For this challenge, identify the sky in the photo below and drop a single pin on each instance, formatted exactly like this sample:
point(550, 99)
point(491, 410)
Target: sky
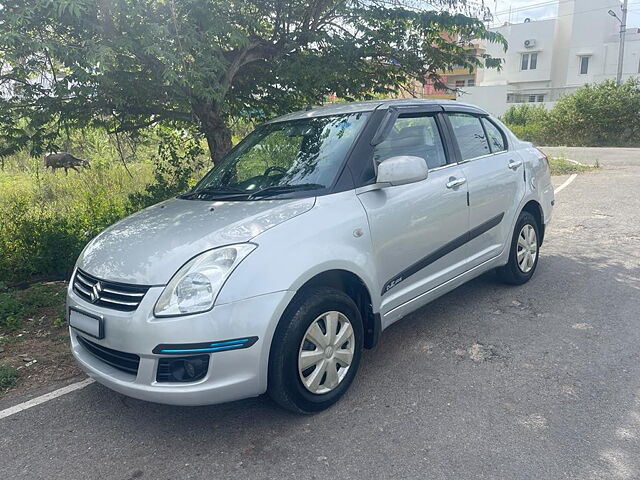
point(542, 9)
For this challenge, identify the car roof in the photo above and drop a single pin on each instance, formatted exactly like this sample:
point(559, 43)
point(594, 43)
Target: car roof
point(370, 105)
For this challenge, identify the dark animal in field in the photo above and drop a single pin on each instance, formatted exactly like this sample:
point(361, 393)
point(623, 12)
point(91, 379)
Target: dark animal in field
point(64, 160)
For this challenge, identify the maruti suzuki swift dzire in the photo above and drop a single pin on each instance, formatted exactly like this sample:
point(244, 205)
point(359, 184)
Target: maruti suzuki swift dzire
point(300, 247)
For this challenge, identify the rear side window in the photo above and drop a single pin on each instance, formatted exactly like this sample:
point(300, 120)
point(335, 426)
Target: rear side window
point(470, 135)
point(413, 135)
point(497, 141)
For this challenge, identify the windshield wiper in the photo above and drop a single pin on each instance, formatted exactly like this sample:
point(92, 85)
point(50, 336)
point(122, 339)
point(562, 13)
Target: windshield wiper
point(224, 192)
point(280, 189)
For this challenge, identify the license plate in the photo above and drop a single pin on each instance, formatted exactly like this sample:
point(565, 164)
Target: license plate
point(86, 323)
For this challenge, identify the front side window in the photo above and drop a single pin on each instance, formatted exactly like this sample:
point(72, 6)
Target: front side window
point(282, 157)
point(496, 138)
point(584, 65)
point(414, 135)
point(525, 61)
point(470, 135)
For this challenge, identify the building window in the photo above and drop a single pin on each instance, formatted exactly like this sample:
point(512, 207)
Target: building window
point(541, 98)
point(529, 61)
point(584, 65)
point(459, 83)
point(471, 83)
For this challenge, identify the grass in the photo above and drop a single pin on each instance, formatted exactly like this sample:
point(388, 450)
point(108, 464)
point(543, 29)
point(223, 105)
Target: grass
point(8, 376)
point(33, 336)
point(17, 305)
point(46, 218)
point(562, 166)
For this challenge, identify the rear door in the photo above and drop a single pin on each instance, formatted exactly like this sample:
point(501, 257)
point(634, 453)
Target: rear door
point(413, 226)
point(496, 183)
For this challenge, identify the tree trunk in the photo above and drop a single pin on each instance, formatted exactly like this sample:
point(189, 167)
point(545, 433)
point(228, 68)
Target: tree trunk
point(215, 130)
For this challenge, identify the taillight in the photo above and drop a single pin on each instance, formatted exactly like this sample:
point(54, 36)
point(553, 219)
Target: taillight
point(544, 155)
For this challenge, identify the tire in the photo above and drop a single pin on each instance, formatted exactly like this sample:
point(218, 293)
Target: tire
point(319, 306)
point(514, 272)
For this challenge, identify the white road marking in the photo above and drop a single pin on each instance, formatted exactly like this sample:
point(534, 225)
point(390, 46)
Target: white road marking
point(45, 398)
point(566, 183)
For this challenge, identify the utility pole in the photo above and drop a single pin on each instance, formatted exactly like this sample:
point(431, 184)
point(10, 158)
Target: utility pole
point(623, 30)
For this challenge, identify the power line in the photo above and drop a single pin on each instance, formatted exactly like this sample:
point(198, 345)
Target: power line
point(532, 6)
point(580, 12)
point(546, 3)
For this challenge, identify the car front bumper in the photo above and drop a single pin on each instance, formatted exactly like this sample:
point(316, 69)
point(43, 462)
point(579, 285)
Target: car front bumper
point(232, 374)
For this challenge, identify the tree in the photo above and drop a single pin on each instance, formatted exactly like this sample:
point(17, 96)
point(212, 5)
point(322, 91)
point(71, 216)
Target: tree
point(128, 64)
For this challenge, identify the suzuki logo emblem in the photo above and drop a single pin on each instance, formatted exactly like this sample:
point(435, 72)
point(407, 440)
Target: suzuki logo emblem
point(95, 292)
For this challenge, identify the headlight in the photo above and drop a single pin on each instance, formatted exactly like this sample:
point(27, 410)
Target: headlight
point(194, 288)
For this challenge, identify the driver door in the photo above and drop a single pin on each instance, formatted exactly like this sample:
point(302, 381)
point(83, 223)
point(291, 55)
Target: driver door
point(416, 228)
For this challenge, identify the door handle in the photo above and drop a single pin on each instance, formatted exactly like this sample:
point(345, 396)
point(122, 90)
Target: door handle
point(456, 182)
point(513, 165)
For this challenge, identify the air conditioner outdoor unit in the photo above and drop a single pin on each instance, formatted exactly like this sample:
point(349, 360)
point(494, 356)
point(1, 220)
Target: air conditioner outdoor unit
point(529, 43)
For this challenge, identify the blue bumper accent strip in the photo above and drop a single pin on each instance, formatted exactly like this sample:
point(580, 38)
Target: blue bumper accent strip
point(205, 347)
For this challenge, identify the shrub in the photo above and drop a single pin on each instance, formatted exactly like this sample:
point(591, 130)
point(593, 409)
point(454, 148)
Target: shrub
point(525, 114)
point(46, 218)
point(602, 115)
point(528, 122)
point(599, 115)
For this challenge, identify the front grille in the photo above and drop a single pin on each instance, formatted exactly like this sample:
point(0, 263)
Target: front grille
point(126, 362)
point(117, 296)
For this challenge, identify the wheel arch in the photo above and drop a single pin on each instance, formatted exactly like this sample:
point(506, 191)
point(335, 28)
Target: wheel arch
point(535, 209)
point(351, 284)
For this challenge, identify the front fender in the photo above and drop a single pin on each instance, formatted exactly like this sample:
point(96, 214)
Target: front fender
point(333, 235)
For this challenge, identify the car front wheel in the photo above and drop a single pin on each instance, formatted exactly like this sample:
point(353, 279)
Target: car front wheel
point(315, 351)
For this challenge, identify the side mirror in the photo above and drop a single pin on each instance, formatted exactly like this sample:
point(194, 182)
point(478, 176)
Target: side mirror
point(402, 170)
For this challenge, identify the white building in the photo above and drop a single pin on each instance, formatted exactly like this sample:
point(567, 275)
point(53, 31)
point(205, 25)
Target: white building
point(549, 58)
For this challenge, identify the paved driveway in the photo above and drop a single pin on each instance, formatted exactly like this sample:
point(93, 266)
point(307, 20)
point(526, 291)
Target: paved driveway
point(540, 381)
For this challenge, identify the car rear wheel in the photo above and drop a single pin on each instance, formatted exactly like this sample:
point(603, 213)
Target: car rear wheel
point(315, 351)
point(523, 256)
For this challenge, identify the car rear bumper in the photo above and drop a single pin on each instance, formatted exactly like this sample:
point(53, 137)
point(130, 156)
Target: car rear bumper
point(231, 375)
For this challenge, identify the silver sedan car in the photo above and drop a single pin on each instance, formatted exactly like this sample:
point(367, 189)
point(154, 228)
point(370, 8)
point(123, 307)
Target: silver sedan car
point(300, 247)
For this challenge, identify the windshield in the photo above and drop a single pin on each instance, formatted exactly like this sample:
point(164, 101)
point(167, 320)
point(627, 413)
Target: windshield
point(283, 157)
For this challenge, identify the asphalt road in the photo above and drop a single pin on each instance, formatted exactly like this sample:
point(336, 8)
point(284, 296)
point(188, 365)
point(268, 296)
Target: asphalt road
point(540, 381)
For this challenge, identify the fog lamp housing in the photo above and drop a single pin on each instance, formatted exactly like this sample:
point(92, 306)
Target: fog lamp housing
point(182, 369)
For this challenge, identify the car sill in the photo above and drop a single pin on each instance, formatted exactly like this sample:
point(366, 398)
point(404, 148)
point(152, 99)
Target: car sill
point(442, 285)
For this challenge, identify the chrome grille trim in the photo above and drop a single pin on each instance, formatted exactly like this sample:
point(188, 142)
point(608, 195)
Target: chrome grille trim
point(118, 302)
point(128, 294)
point(82, 289)
point(117, 296)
